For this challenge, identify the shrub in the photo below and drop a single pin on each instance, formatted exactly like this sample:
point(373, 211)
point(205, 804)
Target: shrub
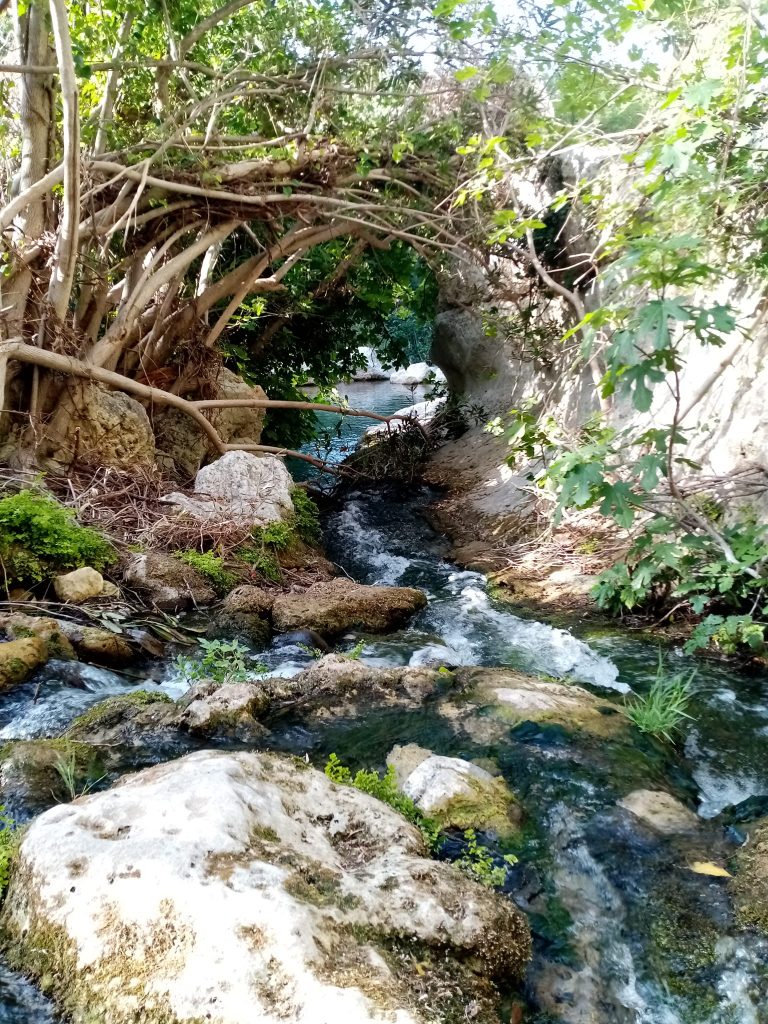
point(729, 634)
point(262, 560)
point(662, 711)
point(40, 538)
point(665, 564)
point(478, 862)
point(222, 661)
point(210, 566)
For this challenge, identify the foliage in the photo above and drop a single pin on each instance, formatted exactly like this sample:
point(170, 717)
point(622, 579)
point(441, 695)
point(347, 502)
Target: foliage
point(67, 768)
point(730, 634)
point(662, 711)
point(211, 566)
point(354, 653)
point(40, 538)
point(384, 787)
point(222, 661)
point(478, 862)
point(7, 847)
point(263, 560)
point(306, 516)
point(664, 564)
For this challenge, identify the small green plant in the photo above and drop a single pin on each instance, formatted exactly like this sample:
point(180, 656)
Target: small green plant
point(313, 652)
point(262, 560)
point(7, 847)
point(211, 566)
point(384, 788)
point(662, 711)
point(478, 862)
point(277, 535)
point(66, 769)
point(354, 653)
point(306, 516)
point(222, 661)
point(40, 538)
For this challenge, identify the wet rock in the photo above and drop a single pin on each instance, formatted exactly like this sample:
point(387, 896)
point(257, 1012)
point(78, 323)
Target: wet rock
point(513, 698)
point(79, 586)
point(750, 886)
point(228, 711)
point(169, 583)
point(246, 611)
point(332, 608)
point(32, 773)
point(131, 719)
point(239, 487)
point(102, 646)
point(283, 896)
point(18, 626)
point(19, 659)
point(335, 686)
point(660, 811)
point(454, 792)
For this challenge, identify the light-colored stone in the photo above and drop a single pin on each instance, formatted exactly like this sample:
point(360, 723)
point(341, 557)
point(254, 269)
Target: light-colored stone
point(454, 792)
point(170, 584)
point(338, 605)
point(373, 368)
point(54, 633)
point(102, 646)
point(19, 659)
point(661, 811)
point(228, 711)
point(239, 487)
point(416, 373)
point(246, 887)
point(79, 585)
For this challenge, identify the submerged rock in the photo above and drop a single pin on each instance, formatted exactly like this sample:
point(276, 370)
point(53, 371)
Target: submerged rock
point(169, 583)
point(454, 792)
point(249, 887)
point(338, 605)
point(19, 659)
point(750, 886)
point(660, 811)
point(513, 698)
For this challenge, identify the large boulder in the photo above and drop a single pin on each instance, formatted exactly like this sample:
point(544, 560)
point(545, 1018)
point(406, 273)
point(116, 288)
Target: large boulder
point(453, 792)
point(249, 887)
point(240, 488)
point(19, 659)
point(108, 428)
point(180, 439)
point(332, 608)
point(169, 583)
point(416, 373)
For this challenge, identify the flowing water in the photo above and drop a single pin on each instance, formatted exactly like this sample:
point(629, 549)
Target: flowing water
point(625, 932)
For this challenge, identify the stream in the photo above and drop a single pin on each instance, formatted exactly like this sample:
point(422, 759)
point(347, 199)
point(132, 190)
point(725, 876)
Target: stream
point(625, 932)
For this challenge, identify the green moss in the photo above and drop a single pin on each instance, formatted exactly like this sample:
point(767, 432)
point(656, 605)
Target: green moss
point(263, 560)
point(212, 568)
point(40, 538)
point(315, 884)
point(750, 886)
point(489, 806)
point(306, 516)
point(105, 710)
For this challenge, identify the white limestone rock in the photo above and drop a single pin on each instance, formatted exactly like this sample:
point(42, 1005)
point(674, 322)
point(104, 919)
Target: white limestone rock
point(239, 487)
point(661, 811)
point(416, 373)
point(234, 887)
point(79, 585)
point(373, 369)
point(454, 792)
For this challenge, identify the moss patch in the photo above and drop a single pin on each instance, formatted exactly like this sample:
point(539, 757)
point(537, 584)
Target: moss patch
point(114, 708)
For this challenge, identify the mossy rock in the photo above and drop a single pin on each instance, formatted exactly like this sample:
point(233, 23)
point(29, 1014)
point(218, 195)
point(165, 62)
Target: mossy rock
point(750, 884)
point(32, 773)
point(18, 626)
point(19, 659)
point(115, 710)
